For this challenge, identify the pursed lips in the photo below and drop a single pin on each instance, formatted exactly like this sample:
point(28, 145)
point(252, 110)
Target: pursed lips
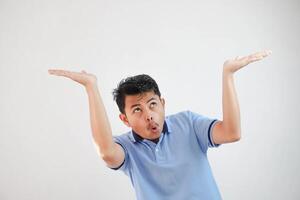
point(153, 126)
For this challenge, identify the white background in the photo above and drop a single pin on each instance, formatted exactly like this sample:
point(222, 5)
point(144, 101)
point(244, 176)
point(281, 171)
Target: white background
point(46, 148)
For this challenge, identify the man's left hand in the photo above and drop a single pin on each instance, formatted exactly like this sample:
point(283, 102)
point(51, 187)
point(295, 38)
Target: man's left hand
point(232, 65)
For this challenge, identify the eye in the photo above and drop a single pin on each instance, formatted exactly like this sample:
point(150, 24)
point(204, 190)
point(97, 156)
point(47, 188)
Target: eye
point(153, 104)
point(136, 110)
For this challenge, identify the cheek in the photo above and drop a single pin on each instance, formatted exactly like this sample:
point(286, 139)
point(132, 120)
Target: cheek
point(161, 112)
point(161, 115)
point(135, 121)
point(138, 126)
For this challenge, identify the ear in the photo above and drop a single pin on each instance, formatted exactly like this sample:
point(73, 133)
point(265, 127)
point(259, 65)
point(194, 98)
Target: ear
point(124, 119)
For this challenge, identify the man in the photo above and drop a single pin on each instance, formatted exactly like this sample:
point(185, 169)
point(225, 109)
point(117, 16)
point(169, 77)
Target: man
point(164, 156)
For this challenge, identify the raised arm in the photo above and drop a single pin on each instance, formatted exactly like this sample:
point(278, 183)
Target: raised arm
point(229, 130)
point(111, 152)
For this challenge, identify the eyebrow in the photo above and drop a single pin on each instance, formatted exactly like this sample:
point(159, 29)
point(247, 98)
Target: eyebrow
point(153, 98)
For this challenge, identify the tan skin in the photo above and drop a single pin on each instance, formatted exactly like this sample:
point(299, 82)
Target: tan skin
point(229, 129)
point(147, 115)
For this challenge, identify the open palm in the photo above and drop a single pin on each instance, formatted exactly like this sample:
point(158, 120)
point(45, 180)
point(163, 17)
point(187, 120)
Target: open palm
point(82, 77)
point(232, 65)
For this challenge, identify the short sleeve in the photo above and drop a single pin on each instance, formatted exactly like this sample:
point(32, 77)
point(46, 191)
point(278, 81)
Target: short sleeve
point(124, 166)
point(203, 127)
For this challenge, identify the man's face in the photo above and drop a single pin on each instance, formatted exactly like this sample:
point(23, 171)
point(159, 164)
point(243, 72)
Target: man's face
point(145, 114)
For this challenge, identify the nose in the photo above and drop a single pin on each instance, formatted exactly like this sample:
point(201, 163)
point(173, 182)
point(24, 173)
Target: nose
point(149, 116)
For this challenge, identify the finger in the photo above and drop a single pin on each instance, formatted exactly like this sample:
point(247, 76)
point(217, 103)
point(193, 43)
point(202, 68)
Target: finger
point(267, 52)
point(244, 60)
point(259, 55)
point(255, 58)
point(59, 72)
point(262, 54)
point(56, 72)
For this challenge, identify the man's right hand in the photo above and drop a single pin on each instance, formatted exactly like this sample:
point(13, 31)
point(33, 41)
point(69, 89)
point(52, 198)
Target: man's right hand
point(82, 77)
point(112, 153)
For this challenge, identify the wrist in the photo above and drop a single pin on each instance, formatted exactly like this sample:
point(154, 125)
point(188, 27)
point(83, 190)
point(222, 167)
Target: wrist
point(91, 86)
point(227, 72)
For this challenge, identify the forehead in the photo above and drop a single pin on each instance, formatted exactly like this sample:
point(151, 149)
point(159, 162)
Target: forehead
point(139, 98)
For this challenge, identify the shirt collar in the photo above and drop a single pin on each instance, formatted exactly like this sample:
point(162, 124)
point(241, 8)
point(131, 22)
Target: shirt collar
point(138, 138)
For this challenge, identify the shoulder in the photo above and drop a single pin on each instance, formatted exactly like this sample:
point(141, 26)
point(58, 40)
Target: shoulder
point(183, 115)
point(123, 138)
point(185, 119)
point(180, 120)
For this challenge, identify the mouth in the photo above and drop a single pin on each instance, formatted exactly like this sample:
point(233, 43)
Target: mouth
point(153, 127)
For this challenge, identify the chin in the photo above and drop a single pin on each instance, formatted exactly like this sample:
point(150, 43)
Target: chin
point(156, 135)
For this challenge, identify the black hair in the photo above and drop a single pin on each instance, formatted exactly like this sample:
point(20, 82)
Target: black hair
point(134, 85)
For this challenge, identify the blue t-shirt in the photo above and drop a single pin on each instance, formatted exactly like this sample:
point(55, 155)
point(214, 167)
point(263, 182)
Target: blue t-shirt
point(177, 166)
